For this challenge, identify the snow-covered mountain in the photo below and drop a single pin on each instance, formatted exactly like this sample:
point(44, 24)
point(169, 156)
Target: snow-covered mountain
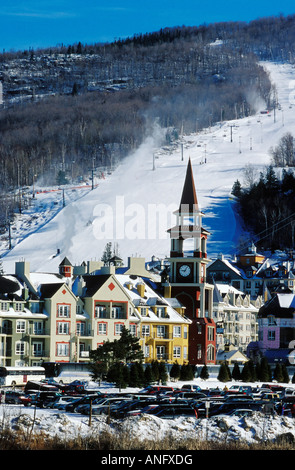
point(134, 206)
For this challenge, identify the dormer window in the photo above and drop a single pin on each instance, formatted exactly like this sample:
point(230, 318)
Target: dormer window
point(271, 320)
point(161, 312)
point(144, 311)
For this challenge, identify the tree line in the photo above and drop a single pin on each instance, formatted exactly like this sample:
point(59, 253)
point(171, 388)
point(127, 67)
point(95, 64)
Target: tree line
point(266, 207)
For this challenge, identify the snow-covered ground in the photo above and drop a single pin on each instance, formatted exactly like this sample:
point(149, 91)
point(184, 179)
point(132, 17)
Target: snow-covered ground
point(123, 207)
point(250, 430)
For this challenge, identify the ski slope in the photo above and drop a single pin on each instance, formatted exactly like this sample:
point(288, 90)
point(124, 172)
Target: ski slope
point(134, 206)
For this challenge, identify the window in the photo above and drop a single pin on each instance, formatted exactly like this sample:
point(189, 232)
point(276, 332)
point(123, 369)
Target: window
point(38, 327)
point(161, 352)
point(161, 331)
point(145, 330)
point(102, 328)
point(80, 329)
point(118, 328)
point(100, 311)
point(132, 329)
point(185, 352)
point(62, 349)
point(20, 348)
point(18, 307)
point(117, 312)
point(20, 326)
point(146, 351)
point(161, 312)
point(37, 349)
point(4, 306)
point(210, 353)
point(185, 332)
point(271, 335)
point(176, 331)
point(63, 328)
point(210, 334)
point(63, 310)
point(271, 320)
point(144, 311)
point(176, 351)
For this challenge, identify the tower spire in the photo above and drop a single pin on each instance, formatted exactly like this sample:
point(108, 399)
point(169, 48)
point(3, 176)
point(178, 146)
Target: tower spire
point(189, 201)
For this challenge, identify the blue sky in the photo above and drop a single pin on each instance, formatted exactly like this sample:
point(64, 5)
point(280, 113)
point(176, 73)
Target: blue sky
point(41, 23)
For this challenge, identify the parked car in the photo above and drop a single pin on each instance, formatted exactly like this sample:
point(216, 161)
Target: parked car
point(270, 396)
point(190, 388)
point(241, 412)
point(71, 407)
point(62, 401)
point(190, 395)
point(157, 389)
point(225, 408)
point(12, 397)
point(122, 410)
point(172, 411)
point(26, 400)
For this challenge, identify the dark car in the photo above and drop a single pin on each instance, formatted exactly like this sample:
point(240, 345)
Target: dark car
point(226, 408)
point(45, 399)
point(122, 410)
point(172, 410)
point(71, 407)
point(12, 397)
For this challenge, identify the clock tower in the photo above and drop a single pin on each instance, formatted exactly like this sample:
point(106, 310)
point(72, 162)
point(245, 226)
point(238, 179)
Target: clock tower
point(187, 276)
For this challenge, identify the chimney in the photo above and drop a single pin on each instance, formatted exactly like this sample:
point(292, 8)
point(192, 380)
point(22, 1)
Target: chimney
point(140, 288)
point(167, 291)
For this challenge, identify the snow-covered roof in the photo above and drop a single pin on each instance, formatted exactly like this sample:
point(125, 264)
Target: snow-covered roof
point(150, 299)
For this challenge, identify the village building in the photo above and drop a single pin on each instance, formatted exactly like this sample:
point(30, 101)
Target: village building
point(235, 317)
point(56, 318)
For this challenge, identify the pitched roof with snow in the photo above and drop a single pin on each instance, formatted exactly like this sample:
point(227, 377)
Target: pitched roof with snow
point(150, 299)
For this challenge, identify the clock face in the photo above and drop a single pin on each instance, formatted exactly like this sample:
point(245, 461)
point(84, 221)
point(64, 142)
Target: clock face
point(184, 270)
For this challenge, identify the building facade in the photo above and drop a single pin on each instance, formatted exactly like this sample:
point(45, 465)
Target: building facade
point(61, 318)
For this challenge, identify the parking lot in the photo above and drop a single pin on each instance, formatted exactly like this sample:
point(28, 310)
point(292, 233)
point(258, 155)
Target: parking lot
point(163, 402)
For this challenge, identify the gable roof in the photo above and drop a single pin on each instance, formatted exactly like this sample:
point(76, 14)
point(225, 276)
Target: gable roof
point(48, 290)
point(94, 282)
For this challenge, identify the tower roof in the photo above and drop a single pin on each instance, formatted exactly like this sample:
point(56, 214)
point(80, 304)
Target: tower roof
point(189, 201)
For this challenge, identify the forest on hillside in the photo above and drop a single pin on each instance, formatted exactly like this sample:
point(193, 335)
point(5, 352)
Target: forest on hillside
point(75, 108)
point(266, 206)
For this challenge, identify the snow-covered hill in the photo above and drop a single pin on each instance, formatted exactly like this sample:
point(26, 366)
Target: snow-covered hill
point(134, 206)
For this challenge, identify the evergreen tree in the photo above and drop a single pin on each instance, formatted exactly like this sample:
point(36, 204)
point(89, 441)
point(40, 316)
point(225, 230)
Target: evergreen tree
point(236, 189)
point(186, 372)
point(107, 254)
point(252, 371)
point(155, 371)
point(246, 373)
point(117, 375)
point(204, 375)
point(278, 373)
point(286, 378)
point(163, 376)
point(175, 371)
point(134, 380)
point(148, 375)
point(236, 373)
point(223, 375)
point(265, 372)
